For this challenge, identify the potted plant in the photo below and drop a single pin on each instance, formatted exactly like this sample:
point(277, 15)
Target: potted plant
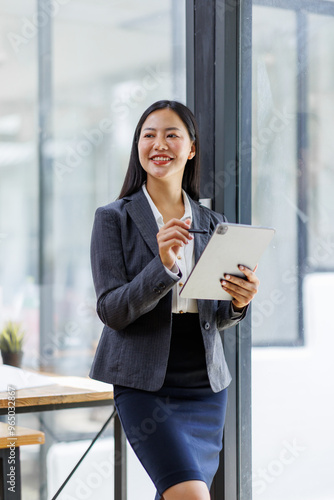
point(11, 341)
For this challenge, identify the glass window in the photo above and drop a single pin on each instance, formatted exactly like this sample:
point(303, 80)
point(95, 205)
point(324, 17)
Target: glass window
point(320, 175)
point(113, 69)
point(275, 171)
point(75, 78)
point(293, 182)
point(19, 170)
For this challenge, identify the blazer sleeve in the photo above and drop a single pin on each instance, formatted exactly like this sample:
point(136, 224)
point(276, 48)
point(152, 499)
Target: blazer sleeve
point(120, 301)
point(226, 318)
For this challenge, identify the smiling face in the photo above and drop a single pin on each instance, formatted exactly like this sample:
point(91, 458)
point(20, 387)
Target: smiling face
point(164, 145)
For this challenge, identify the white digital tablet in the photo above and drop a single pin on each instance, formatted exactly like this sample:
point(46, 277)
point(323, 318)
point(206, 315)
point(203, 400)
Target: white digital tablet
point(229, 246)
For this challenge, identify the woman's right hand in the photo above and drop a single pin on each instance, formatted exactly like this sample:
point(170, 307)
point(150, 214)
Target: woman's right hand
point(171, 237)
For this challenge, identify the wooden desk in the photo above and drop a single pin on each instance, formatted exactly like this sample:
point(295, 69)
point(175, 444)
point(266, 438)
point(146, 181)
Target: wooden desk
point(73, 392)
point(66, 392)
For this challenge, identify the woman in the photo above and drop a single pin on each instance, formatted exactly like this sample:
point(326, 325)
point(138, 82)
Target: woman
point(163, 353)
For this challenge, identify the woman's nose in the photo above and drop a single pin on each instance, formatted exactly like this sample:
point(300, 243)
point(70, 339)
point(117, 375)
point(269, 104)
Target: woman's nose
point(160, 143)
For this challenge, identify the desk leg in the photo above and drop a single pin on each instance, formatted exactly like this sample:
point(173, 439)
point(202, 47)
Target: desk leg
point(6, 457)
point(113, 415)
point(120, 461)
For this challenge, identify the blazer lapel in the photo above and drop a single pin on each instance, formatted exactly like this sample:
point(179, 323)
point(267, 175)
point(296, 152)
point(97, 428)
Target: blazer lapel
point(201, 220)
point(141, 213)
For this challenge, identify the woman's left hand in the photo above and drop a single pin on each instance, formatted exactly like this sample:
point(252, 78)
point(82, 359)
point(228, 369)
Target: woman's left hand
point(242, 290)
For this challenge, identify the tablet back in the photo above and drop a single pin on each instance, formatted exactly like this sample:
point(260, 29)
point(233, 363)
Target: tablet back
point(229, 246)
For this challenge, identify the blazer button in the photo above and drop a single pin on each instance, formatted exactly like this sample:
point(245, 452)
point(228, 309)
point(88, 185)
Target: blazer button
point(161, 285)
point(207, 326)
point(156, 290)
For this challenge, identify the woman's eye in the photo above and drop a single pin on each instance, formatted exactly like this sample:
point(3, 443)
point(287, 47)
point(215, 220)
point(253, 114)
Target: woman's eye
point(148, 135)
point(172, 135)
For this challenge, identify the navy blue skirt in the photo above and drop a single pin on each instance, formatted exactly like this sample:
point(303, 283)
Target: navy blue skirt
point(177, 432)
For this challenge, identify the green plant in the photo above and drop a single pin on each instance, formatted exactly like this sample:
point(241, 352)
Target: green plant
point(11, 337)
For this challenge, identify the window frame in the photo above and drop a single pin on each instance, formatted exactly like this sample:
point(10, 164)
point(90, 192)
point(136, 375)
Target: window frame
point(219, 69)
point(214, 90)
point(302, 9)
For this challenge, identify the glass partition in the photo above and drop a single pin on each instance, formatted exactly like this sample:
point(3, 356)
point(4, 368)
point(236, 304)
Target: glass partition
point(19, 298)
point(293, 186)
point(75, 77)
point(274, 170)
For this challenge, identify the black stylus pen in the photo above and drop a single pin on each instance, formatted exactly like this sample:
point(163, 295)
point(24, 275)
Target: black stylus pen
point(197, 231)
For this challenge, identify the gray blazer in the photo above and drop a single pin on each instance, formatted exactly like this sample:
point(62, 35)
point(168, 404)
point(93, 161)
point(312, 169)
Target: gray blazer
point(134, 298)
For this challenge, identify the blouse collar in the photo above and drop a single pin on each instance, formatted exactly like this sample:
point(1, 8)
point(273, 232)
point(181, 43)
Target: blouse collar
point(157, 214)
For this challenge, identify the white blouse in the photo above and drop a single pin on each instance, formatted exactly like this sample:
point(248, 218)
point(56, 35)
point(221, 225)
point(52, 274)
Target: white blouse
point(185, 260)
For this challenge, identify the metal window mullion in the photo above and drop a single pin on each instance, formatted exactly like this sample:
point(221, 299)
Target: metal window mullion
point(190, 54)
point(244, 181)
point(302, 160)
point(45, 208)
point(45, 212)
point(226, 201)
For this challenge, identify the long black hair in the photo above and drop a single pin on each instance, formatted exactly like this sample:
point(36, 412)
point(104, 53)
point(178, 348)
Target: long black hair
point(136, 175)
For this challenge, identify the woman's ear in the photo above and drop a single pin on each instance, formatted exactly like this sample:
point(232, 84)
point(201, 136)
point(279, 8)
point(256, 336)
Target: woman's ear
point(192, 152)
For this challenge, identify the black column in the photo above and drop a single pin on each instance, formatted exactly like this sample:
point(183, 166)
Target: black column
point(219, 76)
point(201, 83)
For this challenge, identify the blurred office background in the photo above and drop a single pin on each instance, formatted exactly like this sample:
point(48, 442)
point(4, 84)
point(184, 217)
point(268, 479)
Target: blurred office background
point(75, 76)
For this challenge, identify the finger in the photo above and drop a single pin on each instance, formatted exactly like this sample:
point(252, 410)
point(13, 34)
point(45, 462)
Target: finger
point(177, 222)
point(250, 275)
point(251, 283)
point(178, 228)
point(238, 300)
point(242, 294)
point(175, 232)
point(182, 226)
point(174, 242)
point(175, 235)
point(169, 238)
point(237, 291)
point(168, 252)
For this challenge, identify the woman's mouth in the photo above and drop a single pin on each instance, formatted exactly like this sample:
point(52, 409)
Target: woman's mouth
point(161, 160)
